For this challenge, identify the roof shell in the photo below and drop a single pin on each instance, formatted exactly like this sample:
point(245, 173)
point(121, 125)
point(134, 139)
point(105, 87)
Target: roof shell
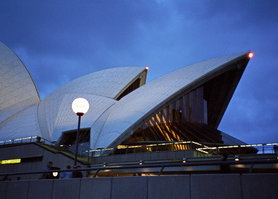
point(17, 89)
point(134, 107)
point(21, 125)
point(50, 117)
point(57, 116)
point(107, 83)
point(99, 88)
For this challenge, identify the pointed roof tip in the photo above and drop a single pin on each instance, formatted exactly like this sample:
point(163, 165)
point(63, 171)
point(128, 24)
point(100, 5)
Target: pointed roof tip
point(247, 54)
point(250, 55)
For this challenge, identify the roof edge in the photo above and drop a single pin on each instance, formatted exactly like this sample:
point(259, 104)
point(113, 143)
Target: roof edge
point(188, 87)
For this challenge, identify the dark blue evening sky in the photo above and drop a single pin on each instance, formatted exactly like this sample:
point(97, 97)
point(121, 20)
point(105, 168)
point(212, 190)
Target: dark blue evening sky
point(59, 40)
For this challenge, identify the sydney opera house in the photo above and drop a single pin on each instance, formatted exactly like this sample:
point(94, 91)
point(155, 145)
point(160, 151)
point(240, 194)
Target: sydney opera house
point(159, 139)
point(185, 105)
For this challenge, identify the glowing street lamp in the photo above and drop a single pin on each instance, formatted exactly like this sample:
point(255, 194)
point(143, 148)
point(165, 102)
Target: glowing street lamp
point(80, 106)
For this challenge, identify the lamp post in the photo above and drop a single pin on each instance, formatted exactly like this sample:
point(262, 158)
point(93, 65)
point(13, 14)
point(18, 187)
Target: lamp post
point(80, 106)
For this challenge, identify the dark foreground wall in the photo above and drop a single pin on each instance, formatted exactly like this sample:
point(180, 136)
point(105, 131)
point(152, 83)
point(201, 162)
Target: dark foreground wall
point(214, 186)
point(30, 151)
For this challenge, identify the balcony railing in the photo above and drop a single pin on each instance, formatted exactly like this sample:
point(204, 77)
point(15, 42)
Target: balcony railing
point(208, 148)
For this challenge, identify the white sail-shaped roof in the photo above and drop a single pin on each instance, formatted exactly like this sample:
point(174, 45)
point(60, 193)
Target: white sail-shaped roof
point(99, 88)
point(19, 97)
point(22, 114)
point(17, 89)
point(21, 125)
point(57, 116)
point(134, 107)
point(107, 83)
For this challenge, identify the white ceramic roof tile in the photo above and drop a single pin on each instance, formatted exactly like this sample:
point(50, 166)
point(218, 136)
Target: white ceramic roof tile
point(15, 80)
point(100, 88)
point(7, 112)
point(106, 83)
point(135, 105)
point(67, 120)
point(21, 125)
point(95, 132)
point(17, 89)
point(47, 113)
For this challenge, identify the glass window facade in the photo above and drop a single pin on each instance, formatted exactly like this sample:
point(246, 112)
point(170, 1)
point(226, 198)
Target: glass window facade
point(182, 119)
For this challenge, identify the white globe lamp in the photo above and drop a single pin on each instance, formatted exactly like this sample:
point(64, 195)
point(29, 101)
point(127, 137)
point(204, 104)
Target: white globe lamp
point(80, 106)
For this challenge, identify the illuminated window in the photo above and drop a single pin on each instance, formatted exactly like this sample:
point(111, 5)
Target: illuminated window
point(10, 161)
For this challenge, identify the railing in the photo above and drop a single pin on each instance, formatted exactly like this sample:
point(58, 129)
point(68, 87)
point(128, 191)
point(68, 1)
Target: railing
point(266, 148)
point(29, 139)
point(210, 148)
point(154, 147)
point(265, 154)
point(161, 167)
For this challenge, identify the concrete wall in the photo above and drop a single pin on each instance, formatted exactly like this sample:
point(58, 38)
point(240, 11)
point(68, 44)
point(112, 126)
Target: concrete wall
point(20, 151)
point(59, 160)
point(27, 151)
point(195, 186)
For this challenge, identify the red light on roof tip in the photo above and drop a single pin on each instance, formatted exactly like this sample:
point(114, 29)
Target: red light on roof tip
point(250, 55)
